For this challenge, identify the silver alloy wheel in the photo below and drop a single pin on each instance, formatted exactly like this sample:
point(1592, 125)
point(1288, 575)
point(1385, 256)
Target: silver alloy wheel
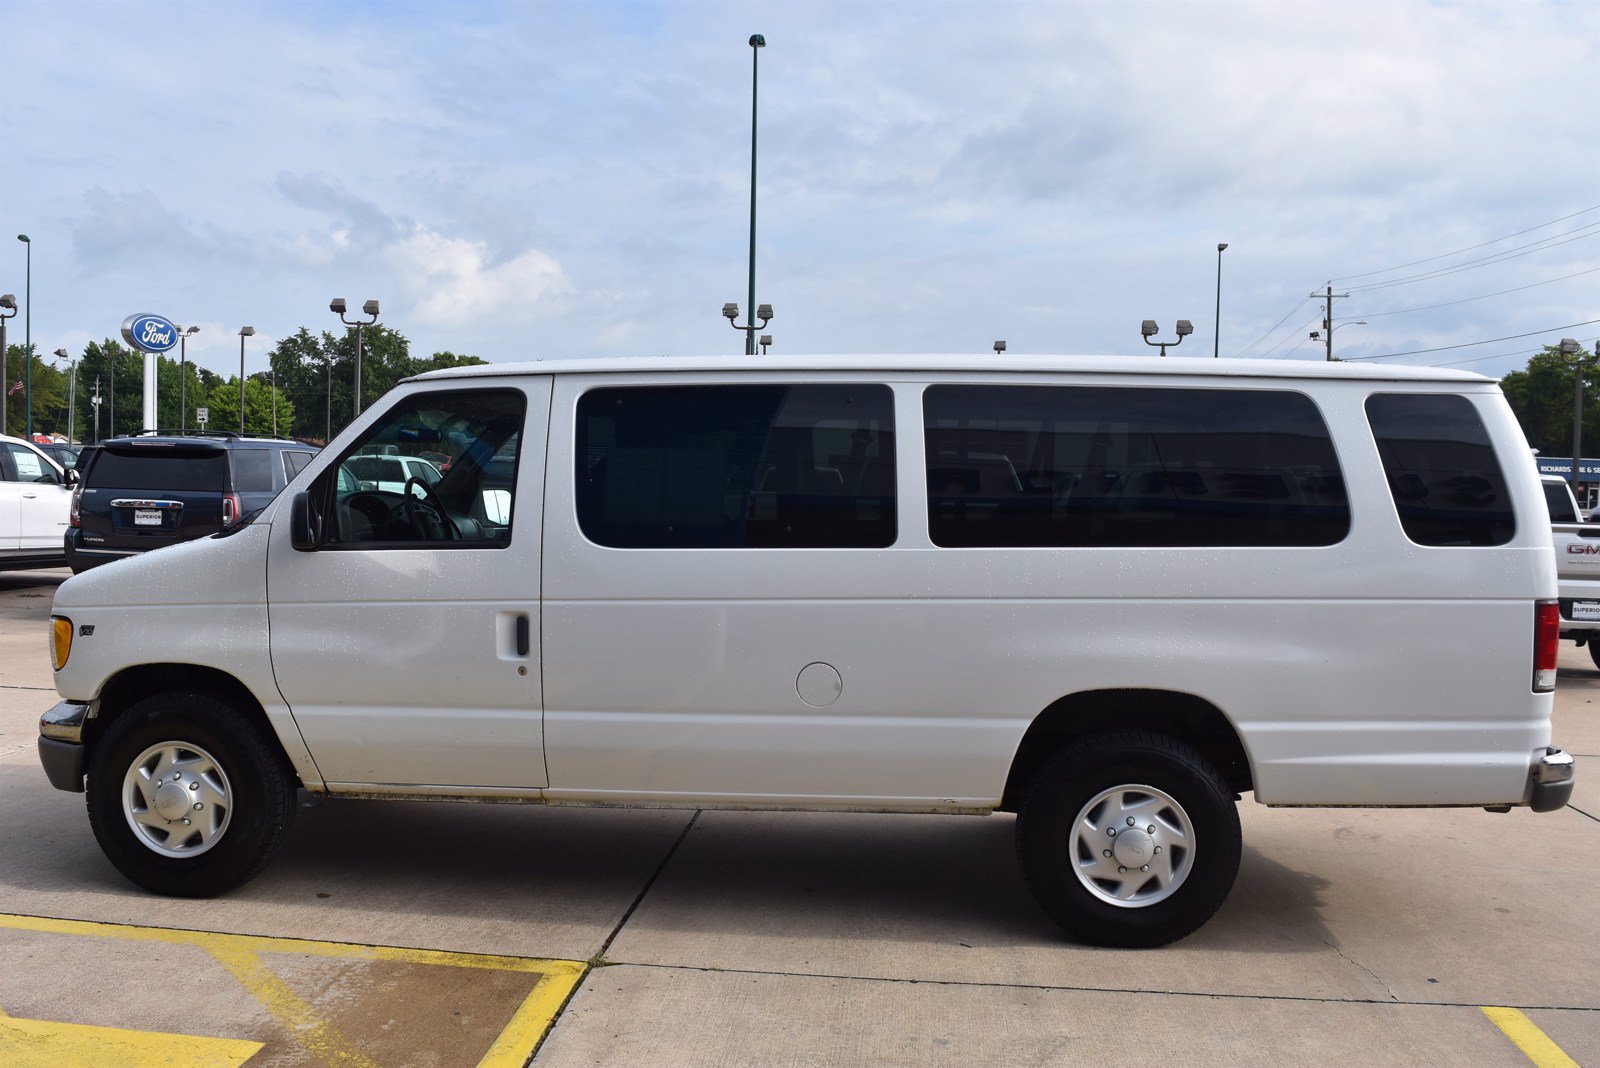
point(177, 799)
point(1132, 846)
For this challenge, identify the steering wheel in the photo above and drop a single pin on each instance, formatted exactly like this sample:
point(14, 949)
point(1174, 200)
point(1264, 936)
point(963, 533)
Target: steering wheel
point(439, 519)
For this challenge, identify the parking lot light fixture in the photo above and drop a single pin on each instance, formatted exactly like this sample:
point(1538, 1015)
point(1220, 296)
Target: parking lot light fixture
point(999, 347)
point(1572, 352)
point(72, 392)
point(1216, 337)
point(27, 334)
point(1148, 330)
point(183, 358)
point(244, 332)
point(8, 308)
point(766, 342)
point(338, 306)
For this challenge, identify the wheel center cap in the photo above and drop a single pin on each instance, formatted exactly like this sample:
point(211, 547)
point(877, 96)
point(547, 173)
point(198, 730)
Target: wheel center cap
point(1134, 847)
point(172, 801)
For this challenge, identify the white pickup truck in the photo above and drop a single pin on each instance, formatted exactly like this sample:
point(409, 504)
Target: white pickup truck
point(1577, 566)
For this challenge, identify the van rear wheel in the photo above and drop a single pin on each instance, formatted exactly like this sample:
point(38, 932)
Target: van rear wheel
point(1129, 839)
point(187, 795)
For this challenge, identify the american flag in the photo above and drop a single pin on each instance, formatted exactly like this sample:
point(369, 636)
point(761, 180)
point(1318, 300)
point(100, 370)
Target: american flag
point(15, 389)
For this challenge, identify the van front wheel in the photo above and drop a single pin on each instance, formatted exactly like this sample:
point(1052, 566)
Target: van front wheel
point(1129, 839)
point(187, 795)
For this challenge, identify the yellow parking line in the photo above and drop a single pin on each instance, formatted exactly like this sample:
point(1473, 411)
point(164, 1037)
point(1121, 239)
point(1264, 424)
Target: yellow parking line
point(266, 944)
point(1527, 1037)
point(310, 1031)
point(46, 1044)
point(240, 955)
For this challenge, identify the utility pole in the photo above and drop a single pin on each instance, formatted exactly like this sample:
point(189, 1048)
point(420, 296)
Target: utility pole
point(1327, 318)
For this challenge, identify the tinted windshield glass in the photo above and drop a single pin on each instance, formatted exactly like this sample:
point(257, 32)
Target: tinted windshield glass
point(173, 473)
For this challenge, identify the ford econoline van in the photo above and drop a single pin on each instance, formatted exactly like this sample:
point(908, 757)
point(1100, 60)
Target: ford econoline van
point(1108, 595)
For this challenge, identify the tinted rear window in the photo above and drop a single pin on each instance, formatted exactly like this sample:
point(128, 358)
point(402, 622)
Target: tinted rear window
point(1120, 467)
point(1442, 470)
point(252, 470)
point(157, 473)
point(1559, 500)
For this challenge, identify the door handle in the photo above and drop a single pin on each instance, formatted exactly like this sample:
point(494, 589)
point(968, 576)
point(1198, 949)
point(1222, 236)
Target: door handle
point(524, 636)
point(30, 496)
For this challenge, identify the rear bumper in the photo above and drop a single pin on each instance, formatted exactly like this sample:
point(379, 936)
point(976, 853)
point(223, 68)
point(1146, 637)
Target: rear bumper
point(1553, 775)
point(82, 558)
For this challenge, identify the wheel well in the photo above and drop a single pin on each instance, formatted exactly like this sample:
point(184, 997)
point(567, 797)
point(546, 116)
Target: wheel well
point(1183, 716)
point(133, 684)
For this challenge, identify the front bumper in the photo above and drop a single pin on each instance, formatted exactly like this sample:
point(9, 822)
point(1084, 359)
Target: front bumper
point(61, 748)
point(1553, 775)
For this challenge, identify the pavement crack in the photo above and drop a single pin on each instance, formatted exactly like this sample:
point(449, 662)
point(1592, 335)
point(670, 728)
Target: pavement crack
point(1581, 812)
point(1347, 957)
point(1079, 989)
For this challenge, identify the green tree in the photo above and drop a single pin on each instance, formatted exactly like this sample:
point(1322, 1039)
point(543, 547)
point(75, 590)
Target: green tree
point(1541, 397)
point(49, 393)
point(224, 404)
point(317, 373)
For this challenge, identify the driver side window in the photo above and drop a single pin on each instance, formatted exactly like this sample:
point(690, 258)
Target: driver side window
point(437, 471)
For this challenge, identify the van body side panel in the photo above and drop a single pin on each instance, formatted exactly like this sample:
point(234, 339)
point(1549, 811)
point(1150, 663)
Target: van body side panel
point(1370, 672)
point(400, 664)
point(201, 603)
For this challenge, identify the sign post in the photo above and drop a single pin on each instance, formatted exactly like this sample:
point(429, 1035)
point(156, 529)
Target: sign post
point(151, 335)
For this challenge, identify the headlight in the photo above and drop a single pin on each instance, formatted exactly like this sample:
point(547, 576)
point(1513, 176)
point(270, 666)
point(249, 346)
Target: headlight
point(60, 640)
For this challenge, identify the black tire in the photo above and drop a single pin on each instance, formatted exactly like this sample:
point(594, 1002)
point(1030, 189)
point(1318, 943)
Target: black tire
point(1047, 847)
point(261, 791)
point(1593, 645)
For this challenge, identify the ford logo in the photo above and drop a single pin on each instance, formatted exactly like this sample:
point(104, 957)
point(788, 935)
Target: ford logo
point(149, 333)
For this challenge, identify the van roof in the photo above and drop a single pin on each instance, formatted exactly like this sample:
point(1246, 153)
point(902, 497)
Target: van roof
point(1008, 363)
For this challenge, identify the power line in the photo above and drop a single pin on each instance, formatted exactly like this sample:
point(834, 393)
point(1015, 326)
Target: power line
point(1290, 336)
point(1501, 355)
point(1272, 329)
point(1470, 344)
point(1498, 257)
point(1466, 300)
point(1459, 251)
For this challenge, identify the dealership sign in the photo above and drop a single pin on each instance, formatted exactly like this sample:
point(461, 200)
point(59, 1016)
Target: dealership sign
point(150, 333)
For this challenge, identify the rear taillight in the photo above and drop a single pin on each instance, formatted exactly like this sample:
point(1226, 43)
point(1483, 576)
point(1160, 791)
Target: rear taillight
point(75, 517)
point(1546, 643)
point(230, 509)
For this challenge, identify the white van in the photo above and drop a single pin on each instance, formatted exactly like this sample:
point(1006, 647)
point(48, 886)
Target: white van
point(1109, 595)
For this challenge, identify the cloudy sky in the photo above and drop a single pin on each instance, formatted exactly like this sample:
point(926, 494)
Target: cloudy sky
point(520, 180)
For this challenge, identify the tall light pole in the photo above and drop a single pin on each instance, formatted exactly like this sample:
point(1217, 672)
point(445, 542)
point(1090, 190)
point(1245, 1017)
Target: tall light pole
point(757, 43)
point(244, 332)
point(72, 393)
point(8, 303)
point(183, 360)
point(337, 306)
point(1572, 352)
point(27, 333)
point(1216, 339)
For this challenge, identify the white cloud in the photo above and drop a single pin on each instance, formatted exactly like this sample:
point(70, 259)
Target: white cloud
point(453, 281)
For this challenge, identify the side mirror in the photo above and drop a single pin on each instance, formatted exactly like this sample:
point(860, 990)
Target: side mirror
point(72, 478)
point(302, 532)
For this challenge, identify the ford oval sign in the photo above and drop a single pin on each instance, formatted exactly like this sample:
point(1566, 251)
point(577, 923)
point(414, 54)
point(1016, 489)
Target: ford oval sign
point(150, 333)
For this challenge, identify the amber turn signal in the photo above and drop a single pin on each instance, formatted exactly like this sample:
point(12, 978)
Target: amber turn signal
point(60, 641)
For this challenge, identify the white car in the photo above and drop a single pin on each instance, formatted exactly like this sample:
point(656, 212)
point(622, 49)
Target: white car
point(1111, 595)
point(35, 506)
point(390, 473)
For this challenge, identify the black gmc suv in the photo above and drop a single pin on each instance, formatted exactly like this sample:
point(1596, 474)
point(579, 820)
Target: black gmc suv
point(139, 493)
